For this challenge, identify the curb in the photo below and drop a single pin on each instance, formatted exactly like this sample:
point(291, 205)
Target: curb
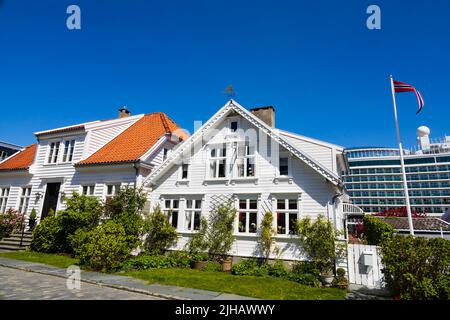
point(101, 284)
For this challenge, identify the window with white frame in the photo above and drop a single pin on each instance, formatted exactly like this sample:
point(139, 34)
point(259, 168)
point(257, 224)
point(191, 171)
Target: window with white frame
point(247, 215)
point(24, 199)
point(245, 160)
point(171, 209)
point(217, 161)
point(4, 193)
point(112, 189)
point(287, 215)
point(53, 152)
point(184, 171)
point(284, 165)
point(69, 146)
point(193, 212)
point(88, 190)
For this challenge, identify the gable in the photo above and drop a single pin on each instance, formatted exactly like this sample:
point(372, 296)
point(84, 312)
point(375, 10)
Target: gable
point(218, 118)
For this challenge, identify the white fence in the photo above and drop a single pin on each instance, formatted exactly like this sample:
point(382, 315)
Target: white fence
point(364, 265)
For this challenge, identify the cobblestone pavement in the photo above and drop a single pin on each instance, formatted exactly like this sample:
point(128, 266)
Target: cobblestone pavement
point(22, 285)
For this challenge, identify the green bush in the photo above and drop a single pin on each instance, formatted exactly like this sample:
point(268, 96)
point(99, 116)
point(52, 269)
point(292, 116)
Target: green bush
point(305, 272)
point(82, 212)
point(102, 248)
point(267, 233)
point(198, 242)
point(220, 234)
point(277, 269)
point(306, 279)
point(161, 234)
point(52, 234)
point(176, 259)
point(125, 208)
point(376, 230)
point(213, 266)
point(247, 267)
point(48, 236)
point(317, 240)
point(417, 268)
point(340, 281)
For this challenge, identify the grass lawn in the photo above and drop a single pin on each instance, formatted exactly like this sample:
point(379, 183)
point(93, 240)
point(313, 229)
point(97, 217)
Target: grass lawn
point(56, 260)
point(258, 287)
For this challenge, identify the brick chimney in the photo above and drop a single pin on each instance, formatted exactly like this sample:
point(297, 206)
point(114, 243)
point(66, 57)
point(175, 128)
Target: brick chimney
point(123, 112)
point(266, 114)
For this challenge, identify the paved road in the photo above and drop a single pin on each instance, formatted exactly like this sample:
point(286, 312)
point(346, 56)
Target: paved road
point(22, 285)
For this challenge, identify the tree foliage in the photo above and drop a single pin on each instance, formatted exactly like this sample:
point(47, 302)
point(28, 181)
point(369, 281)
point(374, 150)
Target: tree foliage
point(266, 241)
point(417, 268)
point(376, 230)
point(220, 235)
point(161, 234)
point(317, 241)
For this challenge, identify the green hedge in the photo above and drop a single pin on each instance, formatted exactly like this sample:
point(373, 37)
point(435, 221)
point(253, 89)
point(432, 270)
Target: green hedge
point(376, 230)
point(417, 268)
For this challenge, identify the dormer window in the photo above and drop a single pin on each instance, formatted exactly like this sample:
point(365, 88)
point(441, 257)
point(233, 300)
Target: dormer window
point(53, 152)
point(69, 146)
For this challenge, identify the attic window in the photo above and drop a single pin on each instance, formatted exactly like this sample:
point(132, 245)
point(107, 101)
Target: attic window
point(233, 126)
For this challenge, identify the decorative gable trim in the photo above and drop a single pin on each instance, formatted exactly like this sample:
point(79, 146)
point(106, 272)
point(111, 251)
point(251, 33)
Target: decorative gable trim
point(233, 105)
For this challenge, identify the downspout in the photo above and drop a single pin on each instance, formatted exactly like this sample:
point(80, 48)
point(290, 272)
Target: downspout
point(136, 168)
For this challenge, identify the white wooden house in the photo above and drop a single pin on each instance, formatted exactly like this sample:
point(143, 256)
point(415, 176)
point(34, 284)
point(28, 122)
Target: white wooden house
point(93, 158)
point(238, 155)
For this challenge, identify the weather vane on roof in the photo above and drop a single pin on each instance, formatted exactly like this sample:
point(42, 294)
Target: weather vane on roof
point(229, 91)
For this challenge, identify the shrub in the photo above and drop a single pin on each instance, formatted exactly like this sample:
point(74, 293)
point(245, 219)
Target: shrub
point(213, 266)
point(417, 268)
point(176, 259)
point(317, 241)
point(161, 234)
point(180, 259)
point(277, 269)
point(220, 235)
point(82, 212)
point(306, 273)
point(125, 208)
point(102, 248)
point(266, 236)
point(32, 219)
point(247, 267)
point(47, 235)
point(340, 281)
point(10, 221)
point(198, 243)
point(376, 230)
point(306, 279)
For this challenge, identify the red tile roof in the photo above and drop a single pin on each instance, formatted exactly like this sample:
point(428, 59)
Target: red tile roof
point(21, 160)
point(135, 141)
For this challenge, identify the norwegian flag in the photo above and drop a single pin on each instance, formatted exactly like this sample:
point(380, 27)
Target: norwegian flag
point(404, 87)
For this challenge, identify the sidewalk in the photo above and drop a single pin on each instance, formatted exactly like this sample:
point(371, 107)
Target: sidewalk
point(124, 282)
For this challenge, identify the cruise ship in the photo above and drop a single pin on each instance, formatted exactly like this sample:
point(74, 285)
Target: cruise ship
point(373, 176)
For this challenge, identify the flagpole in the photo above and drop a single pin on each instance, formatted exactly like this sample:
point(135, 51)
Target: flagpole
point(402, 162)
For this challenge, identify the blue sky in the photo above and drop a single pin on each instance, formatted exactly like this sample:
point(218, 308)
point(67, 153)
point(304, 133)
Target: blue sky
point(315, 61)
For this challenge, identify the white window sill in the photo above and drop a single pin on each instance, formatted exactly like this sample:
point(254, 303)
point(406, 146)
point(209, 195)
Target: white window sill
point(181, 182)
point(278, 179)
point(246, 235)
point(285, 236)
